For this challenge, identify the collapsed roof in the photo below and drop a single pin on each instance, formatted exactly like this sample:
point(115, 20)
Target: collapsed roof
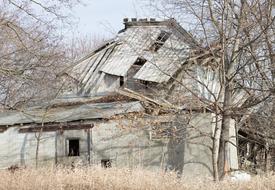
point(163, 45)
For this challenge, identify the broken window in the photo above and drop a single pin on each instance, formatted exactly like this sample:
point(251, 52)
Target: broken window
point(161, 39)
point(73, 147)
point(106, 163)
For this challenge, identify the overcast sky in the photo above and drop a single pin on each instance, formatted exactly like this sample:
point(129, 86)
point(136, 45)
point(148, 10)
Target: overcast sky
point(104, 17)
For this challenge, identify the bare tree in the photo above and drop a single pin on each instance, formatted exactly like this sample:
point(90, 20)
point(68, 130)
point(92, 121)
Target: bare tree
point(32, 53)
point(232, 33)
point(81, 46)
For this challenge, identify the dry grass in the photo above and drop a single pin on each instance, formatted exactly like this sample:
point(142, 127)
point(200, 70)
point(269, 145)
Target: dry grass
point(97, 178)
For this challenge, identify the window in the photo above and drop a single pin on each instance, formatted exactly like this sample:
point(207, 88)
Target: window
point(73, 147)
point(106, 163)
point(161, 39)
point(121, 81)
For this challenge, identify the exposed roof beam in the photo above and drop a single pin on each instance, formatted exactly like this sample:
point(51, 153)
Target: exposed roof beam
point(54, 127)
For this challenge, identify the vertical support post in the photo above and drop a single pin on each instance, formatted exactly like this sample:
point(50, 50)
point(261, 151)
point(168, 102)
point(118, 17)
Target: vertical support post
point(233, 152)
point(89, 145)
point(55, 158)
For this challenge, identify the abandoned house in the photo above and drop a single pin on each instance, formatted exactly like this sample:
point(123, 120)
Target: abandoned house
point(125, 108)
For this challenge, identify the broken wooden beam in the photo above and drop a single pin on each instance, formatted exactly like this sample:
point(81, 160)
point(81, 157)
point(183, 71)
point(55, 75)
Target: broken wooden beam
point(3, 128)
point(143, 98)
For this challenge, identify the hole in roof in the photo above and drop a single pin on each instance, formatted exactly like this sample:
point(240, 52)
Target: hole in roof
point(161, 39)
point(140, 61)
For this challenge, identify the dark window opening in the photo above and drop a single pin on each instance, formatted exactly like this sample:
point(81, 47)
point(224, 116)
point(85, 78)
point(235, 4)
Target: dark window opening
point(161, 39)
point(140, 62)
point(148, 83)
point(121, 81)
point(106, 163)
point(145, 83)
point(73, 147)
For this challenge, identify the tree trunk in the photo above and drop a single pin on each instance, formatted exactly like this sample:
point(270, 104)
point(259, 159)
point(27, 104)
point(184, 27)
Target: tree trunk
point(271, 131)
point(37, 151)
point(38, 138)
point(224, 157)
point(216, 145)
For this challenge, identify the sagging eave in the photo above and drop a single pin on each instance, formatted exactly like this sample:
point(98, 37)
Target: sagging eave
point(48, 127)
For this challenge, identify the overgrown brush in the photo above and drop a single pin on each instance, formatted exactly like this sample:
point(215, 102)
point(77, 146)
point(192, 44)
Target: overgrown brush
point(112, 178)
